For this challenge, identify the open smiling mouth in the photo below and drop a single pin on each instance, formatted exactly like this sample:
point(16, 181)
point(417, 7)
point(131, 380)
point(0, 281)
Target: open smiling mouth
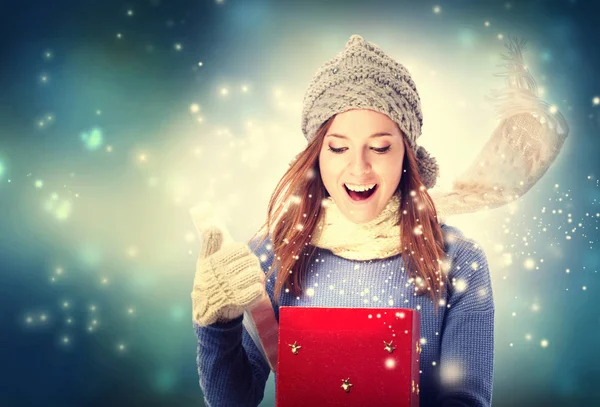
point(361, 196)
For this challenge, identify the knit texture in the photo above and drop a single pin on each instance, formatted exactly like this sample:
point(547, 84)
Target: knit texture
point(225, 283)
point(457, 344)
point(362, 76)
point(376, 239)
point(527, 140)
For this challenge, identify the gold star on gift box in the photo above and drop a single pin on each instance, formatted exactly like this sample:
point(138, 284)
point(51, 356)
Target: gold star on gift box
point(294, 348)
point(346, 385)
point(389, 347)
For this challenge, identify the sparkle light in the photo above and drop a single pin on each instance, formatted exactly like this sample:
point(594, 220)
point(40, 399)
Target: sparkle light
point(437, 9)
point(194, 108)
point(451, 373)
point(460, 285)
point(178, 46)
point(596, 100)
point(544, 343)
point(93, 139)
point(529, 264)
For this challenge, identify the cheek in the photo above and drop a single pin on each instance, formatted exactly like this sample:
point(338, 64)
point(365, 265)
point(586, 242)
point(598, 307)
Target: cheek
point(330, 172)
point(391, 171)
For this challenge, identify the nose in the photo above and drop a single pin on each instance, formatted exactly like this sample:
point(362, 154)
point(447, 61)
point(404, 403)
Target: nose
point(359, 165)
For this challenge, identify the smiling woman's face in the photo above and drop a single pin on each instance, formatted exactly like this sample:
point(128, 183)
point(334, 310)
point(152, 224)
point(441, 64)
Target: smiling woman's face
point(361, 148)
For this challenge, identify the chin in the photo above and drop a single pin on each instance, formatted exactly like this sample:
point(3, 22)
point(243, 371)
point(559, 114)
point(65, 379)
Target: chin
point(360, 219)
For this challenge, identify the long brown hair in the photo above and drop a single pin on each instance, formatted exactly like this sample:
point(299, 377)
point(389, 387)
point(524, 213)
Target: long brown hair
point(296, 205)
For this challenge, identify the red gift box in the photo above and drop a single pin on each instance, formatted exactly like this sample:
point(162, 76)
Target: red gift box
point(348, 357)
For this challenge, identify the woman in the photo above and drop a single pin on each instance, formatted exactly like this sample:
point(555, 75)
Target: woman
point(351, 224)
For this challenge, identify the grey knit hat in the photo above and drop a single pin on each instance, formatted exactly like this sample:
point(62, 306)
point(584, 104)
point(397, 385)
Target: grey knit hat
point(362, 76)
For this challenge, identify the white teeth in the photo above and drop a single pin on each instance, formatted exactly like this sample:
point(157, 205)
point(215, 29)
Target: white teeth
point(359, 188)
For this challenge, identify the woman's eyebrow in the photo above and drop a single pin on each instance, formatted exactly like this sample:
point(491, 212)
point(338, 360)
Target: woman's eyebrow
point(378, 134)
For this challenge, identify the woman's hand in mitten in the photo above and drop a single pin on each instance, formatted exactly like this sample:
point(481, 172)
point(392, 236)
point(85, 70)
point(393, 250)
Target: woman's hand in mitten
point(228, 279)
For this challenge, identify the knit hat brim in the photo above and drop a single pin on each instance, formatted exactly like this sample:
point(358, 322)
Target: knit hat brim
point(344, 97)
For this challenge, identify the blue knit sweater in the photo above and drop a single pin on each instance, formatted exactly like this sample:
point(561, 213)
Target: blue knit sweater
point(457, 345)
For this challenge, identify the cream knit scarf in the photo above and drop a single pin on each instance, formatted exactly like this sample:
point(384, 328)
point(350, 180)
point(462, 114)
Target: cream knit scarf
point(376, 239)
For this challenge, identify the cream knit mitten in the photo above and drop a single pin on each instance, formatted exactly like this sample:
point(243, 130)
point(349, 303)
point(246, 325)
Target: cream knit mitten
point(228, 280)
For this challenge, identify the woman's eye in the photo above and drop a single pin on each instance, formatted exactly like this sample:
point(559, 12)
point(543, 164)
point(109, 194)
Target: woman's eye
point(378, 150)
point(382, 150)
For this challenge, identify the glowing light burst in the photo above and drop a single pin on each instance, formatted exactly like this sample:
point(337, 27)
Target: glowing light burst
point(529, 264)
point(60, 208)
point(93, 139)
point(451, 372)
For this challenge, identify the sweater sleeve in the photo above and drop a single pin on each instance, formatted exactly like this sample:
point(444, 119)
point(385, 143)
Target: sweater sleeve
point(232, 370)
point(467, 343)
